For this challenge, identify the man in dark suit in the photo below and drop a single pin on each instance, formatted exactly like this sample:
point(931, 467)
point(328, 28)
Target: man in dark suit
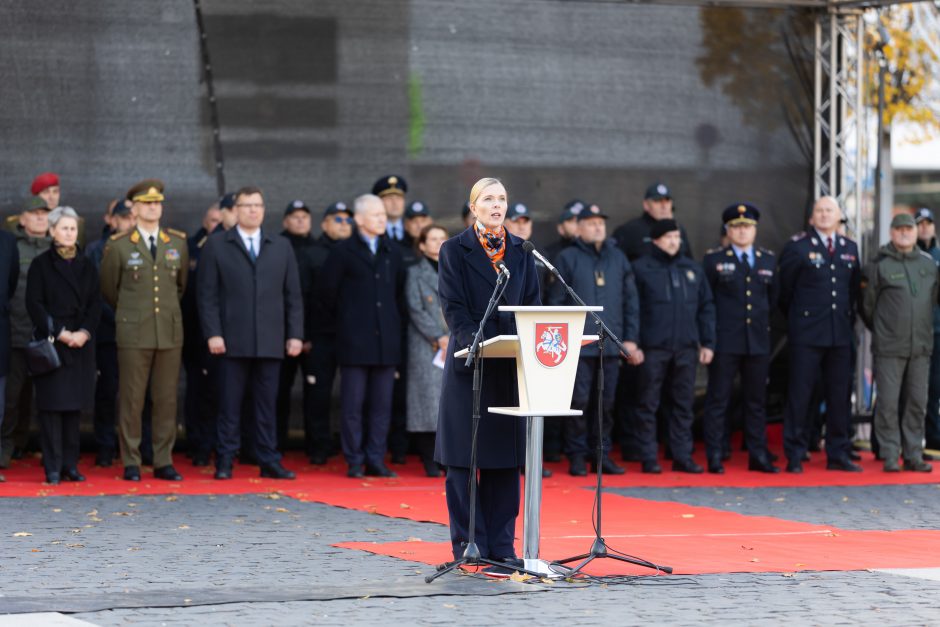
point(743, 282)
point(820, 284)
point(251, 310)
point(9, 277)
point(360, 294)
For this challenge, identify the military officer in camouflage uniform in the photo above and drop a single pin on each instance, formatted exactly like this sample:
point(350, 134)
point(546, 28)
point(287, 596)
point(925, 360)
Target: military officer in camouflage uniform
point(143, 276)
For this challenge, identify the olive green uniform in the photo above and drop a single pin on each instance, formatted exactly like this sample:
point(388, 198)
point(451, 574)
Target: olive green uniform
point(145, 292)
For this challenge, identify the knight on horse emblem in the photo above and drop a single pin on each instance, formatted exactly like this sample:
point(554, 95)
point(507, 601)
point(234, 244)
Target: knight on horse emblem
point(551, 343)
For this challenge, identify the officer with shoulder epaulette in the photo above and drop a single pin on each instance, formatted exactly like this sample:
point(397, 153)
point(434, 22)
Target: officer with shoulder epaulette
point(143, 276)
point(820, 279)
point(743, 282)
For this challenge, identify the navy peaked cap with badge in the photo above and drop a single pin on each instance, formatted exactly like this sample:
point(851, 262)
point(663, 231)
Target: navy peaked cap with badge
point(390, 184)
point(518, 211)
point(571, 210)
point(296, 205)
point(657, 191)
point(923, 214)
point(416, 209)
point(740, 213)
point(337, 207)
point(227, 201)
point(591, 211)
point(121, 208)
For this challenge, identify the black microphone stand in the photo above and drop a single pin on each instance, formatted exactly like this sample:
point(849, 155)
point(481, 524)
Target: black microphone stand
point(599, 546)
point(471, 554)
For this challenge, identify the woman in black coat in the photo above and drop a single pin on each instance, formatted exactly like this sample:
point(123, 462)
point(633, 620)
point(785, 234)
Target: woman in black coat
point(467, 276)
point(64, 301)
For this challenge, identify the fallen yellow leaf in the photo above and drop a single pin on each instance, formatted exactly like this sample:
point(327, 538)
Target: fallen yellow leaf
point(22, 534)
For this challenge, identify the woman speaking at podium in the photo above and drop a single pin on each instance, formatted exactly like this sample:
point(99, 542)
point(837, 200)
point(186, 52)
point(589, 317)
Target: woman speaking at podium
point(467, 277)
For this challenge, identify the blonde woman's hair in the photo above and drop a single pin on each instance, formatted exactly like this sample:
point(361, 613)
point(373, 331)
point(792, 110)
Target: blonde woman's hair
point(480, 185)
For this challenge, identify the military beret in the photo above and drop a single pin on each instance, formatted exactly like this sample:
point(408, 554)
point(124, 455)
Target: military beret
point(148, 190)
point(591, 211)
point(517, 211)
point(923, 214)
point(390, 184)
point(740, 213)
point(902, 219)
point(416, 209)
point(657, 191)
point(34, 203)
point(337, 207)
point(296, 205)
point(661, 227)
point(43, 181)
point(571, 210)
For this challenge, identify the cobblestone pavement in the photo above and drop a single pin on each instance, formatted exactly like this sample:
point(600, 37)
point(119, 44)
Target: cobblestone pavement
point(254, 560)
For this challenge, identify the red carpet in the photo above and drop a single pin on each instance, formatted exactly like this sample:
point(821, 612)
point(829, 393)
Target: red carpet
point(690, 539)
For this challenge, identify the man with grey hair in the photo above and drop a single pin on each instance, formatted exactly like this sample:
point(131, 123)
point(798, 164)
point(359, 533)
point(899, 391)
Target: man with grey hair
point(360, 295)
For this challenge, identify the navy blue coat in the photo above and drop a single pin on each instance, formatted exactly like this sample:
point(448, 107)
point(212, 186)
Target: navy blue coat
point(254, 307)
point(583, 267)
point(9, 277)
point(360, 296)
point(743, 302)
point(676, 307)
point(466, 279)
point(819, 294)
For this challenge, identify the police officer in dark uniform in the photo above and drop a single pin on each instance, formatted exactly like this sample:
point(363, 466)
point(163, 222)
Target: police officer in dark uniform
point(677, 331)
point(819, 290)
point(634, 237)
point(336, 226)
point(743, 282)
point(417, 216)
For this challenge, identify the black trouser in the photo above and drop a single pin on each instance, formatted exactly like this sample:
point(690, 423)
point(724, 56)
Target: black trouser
point(289, 369)
point(59, 432)
point(17, 415)
point(398, 426)
point(932, 421)
point(106, 390)
point(806, 364)
point(235, 374)
point(721, 373)
point(497, 508)
point(201, 405)
point(367, 407)
point(675, 371)
point(581, 431)
point(318, 438)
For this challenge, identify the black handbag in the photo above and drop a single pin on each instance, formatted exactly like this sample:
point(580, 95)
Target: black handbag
point(41, 355)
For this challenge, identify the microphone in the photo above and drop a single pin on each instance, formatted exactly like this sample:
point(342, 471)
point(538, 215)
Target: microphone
point(529, 247)
point(503, 269)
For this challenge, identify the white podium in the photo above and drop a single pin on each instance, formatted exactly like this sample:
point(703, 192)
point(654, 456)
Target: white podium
point(546, 349)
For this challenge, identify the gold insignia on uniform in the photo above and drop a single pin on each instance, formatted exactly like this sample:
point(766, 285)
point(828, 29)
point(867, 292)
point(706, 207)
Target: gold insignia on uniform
point(757, 252)
point(690, 274)
point(202, 242)
point(151, 194)
point(742, 209)
point(177, 233)
point(730, 253)
point(393, 180)
point(135, 236)
point(164, 237)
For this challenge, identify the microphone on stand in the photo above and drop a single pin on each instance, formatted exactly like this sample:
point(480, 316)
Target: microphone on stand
point(529, 247)
point(503, 269)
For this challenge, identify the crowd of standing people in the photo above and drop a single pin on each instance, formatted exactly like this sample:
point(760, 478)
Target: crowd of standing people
point(243, 311)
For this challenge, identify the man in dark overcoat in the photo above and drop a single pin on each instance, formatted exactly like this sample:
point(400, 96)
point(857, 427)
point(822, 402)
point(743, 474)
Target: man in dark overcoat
point(9, 277)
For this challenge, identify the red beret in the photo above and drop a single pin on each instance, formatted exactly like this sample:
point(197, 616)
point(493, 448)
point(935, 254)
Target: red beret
point(44, 180)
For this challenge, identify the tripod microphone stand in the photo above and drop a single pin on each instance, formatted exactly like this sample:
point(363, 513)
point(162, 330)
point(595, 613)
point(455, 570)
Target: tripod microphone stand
point(599, 546)
point(471, 555)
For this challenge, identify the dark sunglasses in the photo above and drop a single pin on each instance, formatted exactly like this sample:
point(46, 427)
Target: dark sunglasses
point(342, 220)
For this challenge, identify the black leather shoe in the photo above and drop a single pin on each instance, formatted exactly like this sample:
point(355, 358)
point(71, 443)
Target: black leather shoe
point(686, 465)
point(577, 467)
point(795, 466)
point(917, 465)
point(652, 467)
point(380, 470)
point(715, 466)
point(609, 467)
point(431, 468)
point(761, 465)
point(892, 465)
point(276, 471)
point(855, 457)
point(131, 473)
point(355, 472)
point(52, 478)
point(223, 468)
point(167, 473)
point(72, 474)
point(843, 464)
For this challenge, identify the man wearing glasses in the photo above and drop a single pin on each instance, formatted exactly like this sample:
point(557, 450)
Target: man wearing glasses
point(337, 225)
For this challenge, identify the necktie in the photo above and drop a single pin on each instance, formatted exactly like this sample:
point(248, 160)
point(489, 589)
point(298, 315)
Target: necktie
point(153, 247)
point(746, 263)
point(829, 245)
point(251, 249)
point(398, 233)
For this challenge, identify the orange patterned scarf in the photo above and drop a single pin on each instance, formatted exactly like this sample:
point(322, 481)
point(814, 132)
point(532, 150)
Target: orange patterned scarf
point(492, 241)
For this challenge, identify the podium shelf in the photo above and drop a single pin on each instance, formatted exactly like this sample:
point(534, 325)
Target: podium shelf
point(506, 346)
point(515, 411)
